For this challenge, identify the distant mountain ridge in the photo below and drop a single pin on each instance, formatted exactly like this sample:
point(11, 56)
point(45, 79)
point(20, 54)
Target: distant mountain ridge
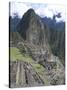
point(52, 23)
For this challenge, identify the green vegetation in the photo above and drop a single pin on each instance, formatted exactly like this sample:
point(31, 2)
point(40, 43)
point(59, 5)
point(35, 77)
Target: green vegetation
point(57, 43)
point(41, 71)
point(15, 37)
point(39, 68)
point(15, 54)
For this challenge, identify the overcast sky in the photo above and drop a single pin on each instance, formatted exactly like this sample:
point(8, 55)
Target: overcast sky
point(41, 9)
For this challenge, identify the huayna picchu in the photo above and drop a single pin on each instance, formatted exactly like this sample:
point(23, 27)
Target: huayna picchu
point(32, 62)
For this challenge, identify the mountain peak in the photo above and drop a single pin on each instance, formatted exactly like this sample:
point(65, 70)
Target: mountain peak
point(25, 23)
point(32, 29)
point(31, 11)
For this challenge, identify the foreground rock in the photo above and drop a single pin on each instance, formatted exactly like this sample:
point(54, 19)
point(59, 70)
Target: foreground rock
point(24, 74)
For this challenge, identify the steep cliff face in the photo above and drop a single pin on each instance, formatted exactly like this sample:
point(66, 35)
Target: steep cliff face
point(34, 31)
point(31, 60)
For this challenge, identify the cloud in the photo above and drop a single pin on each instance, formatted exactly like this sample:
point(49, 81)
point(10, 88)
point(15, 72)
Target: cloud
point(41, 9)
point(58, 9)
point(19, 8)
point(51, 10)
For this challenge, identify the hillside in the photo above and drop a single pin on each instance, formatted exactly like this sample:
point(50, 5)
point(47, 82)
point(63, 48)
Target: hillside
point(55, 34)
point(32, 62)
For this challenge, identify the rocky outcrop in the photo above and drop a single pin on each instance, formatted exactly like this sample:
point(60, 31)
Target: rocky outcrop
point(23, 74)
point(33, 31)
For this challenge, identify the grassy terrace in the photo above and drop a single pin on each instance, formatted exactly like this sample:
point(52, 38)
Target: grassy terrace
point(15, 54)
point(42, 73)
